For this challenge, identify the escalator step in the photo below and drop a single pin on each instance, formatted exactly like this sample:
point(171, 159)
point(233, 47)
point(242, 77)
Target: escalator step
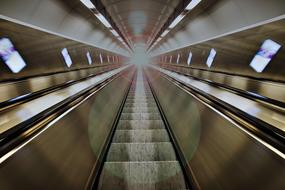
point(140, 110)
point(165, 175)
point(140, 116)
point(156, 135)
point(140, 105)
point(140, 124)
point(120, 152)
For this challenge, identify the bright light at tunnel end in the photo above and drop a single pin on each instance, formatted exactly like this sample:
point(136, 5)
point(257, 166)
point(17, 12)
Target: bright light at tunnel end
point(140, 55)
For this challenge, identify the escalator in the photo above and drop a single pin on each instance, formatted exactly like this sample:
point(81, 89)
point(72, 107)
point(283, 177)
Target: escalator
point(141, 155)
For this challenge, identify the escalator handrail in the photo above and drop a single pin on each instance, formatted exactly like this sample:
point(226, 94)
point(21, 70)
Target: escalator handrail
point(57, 72)
point(258, 128)
point(28, 129)
point(276, 104)
point(24, 98)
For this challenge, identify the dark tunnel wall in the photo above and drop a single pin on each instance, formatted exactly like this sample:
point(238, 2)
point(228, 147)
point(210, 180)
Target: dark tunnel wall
point(42, 52)
point(235, 52)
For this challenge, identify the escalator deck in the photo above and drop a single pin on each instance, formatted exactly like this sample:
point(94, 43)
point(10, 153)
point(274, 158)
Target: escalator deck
point(141, 155)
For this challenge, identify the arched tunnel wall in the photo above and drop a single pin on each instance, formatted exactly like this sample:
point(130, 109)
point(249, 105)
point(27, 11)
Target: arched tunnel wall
point(234, 54)
point(212, 18)
point(65, 17)
point(42, 52)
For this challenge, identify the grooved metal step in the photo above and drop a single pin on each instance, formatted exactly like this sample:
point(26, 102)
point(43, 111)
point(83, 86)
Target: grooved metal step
point(165, 175)
point(141, 152)
point(140, 116)
point(155, 135)
point(140, 124)
point(140, 110)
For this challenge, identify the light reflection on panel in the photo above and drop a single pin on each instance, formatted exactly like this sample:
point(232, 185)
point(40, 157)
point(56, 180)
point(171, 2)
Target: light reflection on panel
point(211, 57)
point(11, 56)
point(25, 111)
point(101, 58)
point(248, 106)
point(189, 58)
point(178, 59)
point(265, 54)
point(89, 58)
point(66, 56)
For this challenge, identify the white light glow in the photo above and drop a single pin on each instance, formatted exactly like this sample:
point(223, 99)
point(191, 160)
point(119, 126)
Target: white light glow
point(10, 56)
point(103, 20)
point(66, 57)
point(89, 58)
point(178, 59)
point(211, 57)
point(189, 58)
point(114, 33)
point(192, 4)
point(88, 4)
point(101, 58)
point(265, 54)
point(170, 59)
point(164, 33)
point(140, 56)
point(176, 21)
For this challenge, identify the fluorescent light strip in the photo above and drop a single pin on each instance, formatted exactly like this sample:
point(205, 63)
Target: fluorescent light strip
point(192, 4)
point(189, 7)
point(164, 33)
point(176, 21)
point(88, 4)
point(114, 33)
point(103, 20)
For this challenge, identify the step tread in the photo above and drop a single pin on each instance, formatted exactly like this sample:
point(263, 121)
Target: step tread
point(142, 176)
point(140, 124)
point(155, 135)
point(160, 151)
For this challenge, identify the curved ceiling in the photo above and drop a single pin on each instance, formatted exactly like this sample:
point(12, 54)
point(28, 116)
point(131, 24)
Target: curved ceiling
point(140, 20)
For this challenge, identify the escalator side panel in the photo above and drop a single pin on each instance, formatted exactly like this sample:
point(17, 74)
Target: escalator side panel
point(63, 156)
point(220, 155)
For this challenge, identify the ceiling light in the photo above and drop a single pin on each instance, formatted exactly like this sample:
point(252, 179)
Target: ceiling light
point(88, 4)
point(192, 4)
point(114, 33)
point(176, 21)
point(164, 33)
point(160, 38)
point(120, 39)
point(103, 20)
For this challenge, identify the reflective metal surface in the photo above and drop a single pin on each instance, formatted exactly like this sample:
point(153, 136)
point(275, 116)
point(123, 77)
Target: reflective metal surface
point(236, 50)
point(274, 118)
point(14, 116)
point(64, 155)
point(220, 154)
point(42, 51)
point(14, 90)
point(273, 90)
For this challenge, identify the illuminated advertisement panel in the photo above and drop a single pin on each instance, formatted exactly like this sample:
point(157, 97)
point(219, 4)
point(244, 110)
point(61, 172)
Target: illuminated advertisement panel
point(211, 57)
point(66, 57)
point(11, 56)
point(264, 55)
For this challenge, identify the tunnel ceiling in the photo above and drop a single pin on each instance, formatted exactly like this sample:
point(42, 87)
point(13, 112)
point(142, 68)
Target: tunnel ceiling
point(140, 20)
